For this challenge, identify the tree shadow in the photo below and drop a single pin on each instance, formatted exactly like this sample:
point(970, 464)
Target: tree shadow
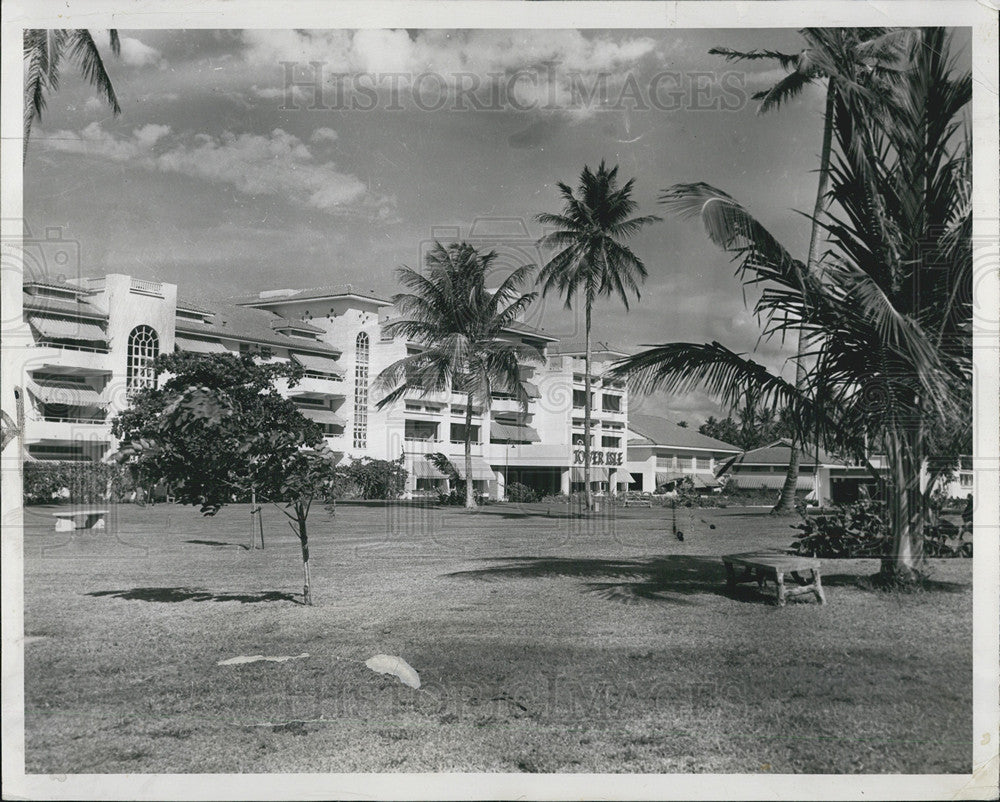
point(192, 594)
point(671, 579)
point(216, 543)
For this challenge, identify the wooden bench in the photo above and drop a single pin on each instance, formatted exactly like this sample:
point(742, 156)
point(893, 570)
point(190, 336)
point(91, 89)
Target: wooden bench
point(637, 502)
point(759, 566)
point(79, 519)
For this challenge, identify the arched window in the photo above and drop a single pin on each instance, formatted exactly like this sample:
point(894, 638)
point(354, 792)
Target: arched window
point(143, 348)
point(361, 353)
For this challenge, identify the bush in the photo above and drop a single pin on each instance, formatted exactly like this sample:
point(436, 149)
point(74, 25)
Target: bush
point(522, 494)
point(854, 530)
point(369, 479)
point(860, 530)
point(456, 498)
point(86, 482)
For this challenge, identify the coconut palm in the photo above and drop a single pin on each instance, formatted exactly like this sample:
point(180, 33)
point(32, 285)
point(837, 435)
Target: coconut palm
point(461, 328)
point(856, 64)
point(44, 50)
point(593, 259)
point(888, 316)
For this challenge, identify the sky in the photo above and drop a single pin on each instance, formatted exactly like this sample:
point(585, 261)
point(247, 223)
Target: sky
point(219, 177)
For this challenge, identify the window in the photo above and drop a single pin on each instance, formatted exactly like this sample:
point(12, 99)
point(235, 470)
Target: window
point(965, 480)
point(458, 433)
point(578, 440)
point(143, 348)
point(611, 442)
point(703, 463)
point(420, 430)
point(361, 354)
point(612, 403)
point(579, 397)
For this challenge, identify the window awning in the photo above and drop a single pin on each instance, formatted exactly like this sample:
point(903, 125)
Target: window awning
point(58, 328)
point(320, 364)
point(705, 480)
point(67, 394)
point(531, 389)
point(623, 479)
point(323, 416)
point(509, 431)
point(422, 469)
point(199, 346)
point(597, 473)
point(666, 477)
point(481, 470)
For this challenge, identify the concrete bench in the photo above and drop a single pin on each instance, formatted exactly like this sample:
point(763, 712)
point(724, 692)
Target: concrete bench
point(637, 502)
point(759, 566)
point(79, 519)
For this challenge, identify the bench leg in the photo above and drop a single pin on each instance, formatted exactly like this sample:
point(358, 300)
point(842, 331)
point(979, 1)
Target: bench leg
point(818, 587)
point(730, 577)
point(65, 525)
point(779, 579)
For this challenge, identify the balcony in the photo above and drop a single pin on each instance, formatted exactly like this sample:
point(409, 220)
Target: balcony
point(70, 359)
point(67, 431)
point(141, 287)
point(314, 388)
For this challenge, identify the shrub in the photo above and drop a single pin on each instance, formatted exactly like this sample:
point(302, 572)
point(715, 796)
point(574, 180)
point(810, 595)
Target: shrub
point(522, 494)
point(860, 530)
point(368, 478)
point(87, 482)
point(854, 530)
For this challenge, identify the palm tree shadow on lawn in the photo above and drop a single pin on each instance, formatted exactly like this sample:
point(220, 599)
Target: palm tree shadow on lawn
point(671, 579)
point(195, 595)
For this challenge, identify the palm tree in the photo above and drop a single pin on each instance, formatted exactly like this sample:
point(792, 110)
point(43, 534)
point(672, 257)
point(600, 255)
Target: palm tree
point(594, 259)
point(854, 62)
point(461, 328)
point(44, 50)
point(888, 316)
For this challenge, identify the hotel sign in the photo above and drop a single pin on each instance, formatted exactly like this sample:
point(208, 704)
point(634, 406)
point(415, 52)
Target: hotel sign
point(598, 457)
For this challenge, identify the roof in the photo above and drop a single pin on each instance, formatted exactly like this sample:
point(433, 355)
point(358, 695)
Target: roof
point(187, 306)
point(656, 431)
point(579, 349)
point(308, 294)
point(55, 306)
point(56, 284)
point(524, 328)
point(779, 452)
point(250, 325)
point(297, 325)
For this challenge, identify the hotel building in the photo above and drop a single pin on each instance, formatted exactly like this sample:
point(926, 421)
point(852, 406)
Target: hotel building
point(88, 344)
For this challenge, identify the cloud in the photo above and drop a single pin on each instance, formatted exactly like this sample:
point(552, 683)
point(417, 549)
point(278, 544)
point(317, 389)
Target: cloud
point(277, 163)
point(135, 54)
point(323, 135)
point(541, 68)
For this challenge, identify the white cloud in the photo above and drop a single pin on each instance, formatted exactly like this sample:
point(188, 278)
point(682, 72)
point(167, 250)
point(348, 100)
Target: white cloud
point(277, 163)
point(136, 54)
point(553, 59)
point(323, 135)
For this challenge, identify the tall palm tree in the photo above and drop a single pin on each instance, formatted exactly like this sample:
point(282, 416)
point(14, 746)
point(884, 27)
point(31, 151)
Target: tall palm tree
point(44, 50)
point(593, 259)
point(855, 63)
point(888, 316)
point(461, 326)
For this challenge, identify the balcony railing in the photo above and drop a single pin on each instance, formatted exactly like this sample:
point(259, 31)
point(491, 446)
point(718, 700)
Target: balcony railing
point(69, 419)
point(70, 347)
point(143, 287)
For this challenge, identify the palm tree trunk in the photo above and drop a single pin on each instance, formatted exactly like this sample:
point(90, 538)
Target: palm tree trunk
point(906, 509)
point(588, 494)
point(304, 542)
point(786, 501)
point(470, 499)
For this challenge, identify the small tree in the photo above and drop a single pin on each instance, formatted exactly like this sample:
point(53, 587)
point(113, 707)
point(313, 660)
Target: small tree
point(218, 430)
point(309, 476)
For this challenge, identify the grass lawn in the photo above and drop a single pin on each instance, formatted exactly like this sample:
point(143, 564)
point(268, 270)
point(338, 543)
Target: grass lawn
point(545, 643)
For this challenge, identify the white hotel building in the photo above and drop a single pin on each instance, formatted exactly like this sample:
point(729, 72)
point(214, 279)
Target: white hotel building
point(89, 342)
